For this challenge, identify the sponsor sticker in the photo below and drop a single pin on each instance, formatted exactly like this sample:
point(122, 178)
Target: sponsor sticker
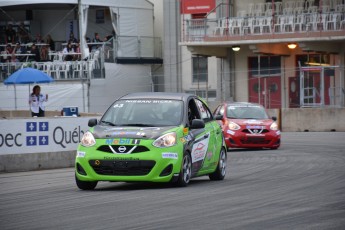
point(81, 154)
point(230, 132)
point(185, 131)
point(200, 148)
point(170, 156)
point(253, 122)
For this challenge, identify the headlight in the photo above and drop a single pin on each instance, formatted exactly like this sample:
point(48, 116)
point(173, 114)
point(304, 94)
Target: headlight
point(233, 126)
point(274, 126)
point(167, 140)
point(88, 140)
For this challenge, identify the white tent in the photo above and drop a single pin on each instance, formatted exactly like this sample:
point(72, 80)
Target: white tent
point(129, 18)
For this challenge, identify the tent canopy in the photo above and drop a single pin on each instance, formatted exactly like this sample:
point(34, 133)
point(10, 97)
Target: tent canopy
point(143, 4)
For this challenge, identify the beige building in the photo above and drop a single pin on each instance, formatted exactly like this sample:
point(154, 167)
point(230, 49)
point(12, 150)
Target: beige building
point(291, 53)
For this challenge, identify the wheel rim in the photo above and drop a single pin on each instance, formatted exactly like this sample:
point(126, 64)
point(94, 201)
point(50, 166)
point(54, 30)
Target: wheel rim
point(187, 169)
point(222, 163)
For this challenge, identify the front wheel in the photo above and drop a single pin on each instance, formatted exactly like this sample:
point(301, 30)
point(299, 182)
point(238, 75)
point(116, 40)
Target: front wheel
point(220, 172)
point(85, 185)
point(186, 171)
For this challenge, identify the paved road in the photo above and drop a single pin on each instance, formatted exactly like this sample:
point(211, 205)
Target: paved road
point(299, 186)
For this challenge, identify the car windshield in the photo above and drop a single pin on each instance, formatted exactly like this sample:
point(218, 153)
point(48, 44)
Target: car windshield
point(246, 112)
point(144, 113)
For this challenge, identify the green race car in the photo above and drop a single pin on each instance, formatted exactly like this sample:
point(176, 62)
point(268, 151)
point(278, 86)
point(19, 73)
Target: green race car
point(152, 137)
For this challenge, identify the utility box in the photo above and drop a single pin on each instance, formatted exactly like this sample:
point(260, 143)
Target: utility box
point(70, 111)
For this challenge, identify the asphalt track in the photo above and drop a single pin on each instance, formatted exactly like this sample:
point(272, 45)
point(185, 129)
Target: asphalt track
point(299, 186)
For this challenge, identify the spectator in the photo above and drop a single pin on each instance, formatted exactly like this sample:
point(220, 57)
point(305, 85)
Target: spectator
point(36, 52)
point(18, 49)
point(38, 39)
point(10, 34)
point(77, 57)
point(23, 33)
point(68, 49)
point(7, 53)
point(45, 53)
point(96, 39)
point(72, 40)
point(50, 42)
point(36, 102)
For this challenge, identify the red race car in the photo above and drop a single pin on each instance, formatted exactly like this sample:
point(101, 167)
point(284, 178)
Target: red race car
point(247, 125)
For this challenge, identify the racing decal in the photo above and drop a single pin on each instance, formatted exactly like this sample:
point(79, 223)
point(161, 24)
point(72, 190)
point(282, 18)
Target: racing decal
point(81, 154)
point(209, 155)
point(230, 132)
point(186, 138)
point(149, 101)
point(200, 148)
point(185, 131)
point(170, 156)
point(118, 106)
point(121, 158)
point(128, 133)
point(122, 141)
point(253, 122)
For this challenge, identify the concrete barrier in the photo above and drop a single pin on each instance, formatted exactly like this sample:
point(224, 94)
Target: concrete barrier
point(313, 119)
point(40, 143)
point(51, 142)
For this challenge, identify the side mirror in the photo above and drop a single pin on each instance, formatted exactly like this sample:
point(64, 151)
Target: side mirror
point(92, 122)
point(218, 117)
point(197, 124)
point(274, 118)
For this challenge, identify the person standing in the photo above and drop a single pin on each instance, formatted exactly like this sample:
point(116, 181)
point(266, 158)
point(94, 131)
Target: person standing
point(10, 34)
point(36, 102)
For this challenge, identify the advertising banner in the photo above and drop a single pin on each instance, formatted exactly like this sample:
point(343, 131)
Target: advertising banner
point(197, 6)
point(19, 136)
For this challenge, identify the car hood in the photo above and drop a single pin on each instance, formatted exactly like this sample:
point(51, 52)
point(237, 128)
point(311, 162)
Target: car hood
point(251, 122)
point(100, 132)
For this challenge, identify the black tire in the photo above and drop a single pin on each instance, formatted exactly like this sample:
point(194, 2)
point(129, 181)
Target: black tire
point(186, 171)
point(85, 185)
point(220, 172)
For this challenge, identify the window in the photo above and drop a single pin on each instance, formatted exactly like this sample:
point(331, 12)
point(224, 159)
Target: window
point(204, 112)
point(269, 65)
point(99, 16)
point(199, 69)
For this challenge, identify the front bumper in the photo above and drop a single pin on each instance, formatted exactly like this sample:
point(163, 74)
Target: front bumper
point(239, 139)
point(154, 165)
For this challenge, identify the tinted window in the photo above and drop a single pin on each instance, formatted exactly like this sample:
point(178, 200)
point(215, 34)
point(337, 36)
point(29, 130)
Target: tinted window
point(144, 112)
point(204, 112)
point(246, 112)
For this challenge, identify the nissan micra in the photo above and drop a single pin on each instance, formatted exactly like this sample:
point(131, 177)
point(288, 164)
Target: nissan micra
point(152, 137)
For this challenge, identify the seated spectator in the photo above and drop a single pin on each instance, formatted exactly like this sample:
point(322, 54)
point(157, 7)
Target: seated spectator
point(34, 50)
point(45, 53)
point(68, 49)
point(50, 42)
point(18, 49)
point(96, 39)
point(38, 39)
point(23, 33)
point(6, 54)
point(72, 39)
point(77, 57)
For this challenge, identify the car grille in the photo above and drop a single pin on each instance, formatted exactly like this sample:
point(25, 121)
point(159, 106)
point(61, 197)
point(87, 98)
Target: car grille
point(122, 167)
point(123, 148)
point(255, 140)
point(254, 130)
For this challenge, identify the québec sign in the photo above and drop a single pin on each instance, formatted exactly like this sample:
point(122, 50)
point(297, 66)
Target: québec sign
point(41, 135)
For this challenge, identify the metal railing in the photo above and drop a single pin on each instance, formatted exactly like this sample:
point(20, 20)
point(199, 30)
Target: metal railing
point(305, 24)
